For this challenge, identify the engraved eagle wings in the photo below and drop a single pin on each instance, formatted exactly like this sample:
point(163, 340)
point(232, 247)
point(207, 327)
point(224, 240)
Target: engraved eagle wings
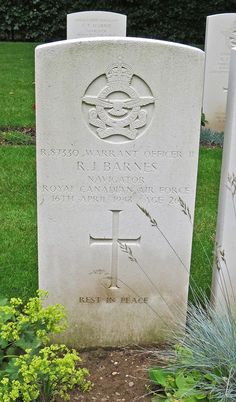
point(118, 107)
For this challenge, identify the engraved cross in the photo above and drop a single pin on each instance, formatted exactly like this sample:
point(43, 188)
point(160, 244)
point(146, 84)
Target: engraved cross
point(113, 241)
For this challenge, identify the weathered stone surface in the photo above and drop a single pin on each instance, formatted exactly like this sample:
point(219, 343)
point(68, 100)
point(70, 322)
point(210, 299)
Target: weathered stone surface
point(118, 125)
point(220, 38)
point(95, 23)
point(224, 280)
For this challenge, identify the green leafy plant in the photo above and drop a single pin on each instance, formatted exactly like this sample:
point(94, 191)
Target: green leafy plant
point(178, 384)
point(203, 119)
point(30, 370)
point(177, 387)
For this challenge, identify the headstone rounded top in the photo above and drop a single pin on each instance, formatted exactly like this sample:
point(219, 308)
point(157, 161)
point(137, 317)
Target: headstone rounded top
point(106, 41)
point(222, 15)
point(95, 13)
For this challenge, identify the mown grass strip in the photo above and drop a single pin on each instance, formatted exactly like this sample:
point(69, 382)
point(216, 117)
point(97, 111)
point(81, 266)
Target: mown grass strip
point(17, 84)
point(205, 217)
point(18, 261)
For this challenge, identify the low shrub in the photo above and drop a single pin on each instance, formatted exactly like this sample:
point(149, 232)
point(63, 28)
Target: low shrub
point(30, 368)
point(210, 137)
point(202, 365)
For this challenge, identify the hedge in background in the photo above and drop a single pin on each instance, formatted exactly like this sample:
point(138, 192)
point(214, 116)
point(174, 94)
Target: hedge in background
point(174, 20)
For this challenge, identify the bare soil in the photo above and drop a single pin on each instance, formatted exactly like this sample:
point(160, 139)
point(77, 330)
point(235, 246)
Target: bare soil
point(118, 375)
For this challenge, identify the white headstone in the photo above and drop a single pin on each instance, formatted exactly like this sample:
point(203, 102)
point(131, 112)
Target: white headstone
point(224, 270)
point(220, 38)
point(112, 133)
point(95, 23)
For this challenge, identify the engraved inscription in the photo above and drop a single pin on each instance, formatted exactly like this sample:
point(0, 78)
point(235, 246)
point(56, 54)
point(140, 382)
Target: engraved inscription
point(109, 300)
point(117, 175)
point(220, 117)
point(110, 153)
point(118, 166)
point(101, 189)
point(113, 241)
point(222, 65)
point(95, 27)
point(119, 111)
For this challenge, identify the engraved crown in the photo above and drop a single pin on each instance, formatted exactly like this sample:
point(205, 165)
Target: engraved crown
point(119, 72)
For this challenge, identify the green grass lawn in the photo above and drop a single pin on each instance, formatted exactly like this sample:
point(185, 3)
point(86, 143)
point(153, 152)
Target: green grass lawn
point(205, 217)
point(17, 84)
point(18, 256)
point(18, 265)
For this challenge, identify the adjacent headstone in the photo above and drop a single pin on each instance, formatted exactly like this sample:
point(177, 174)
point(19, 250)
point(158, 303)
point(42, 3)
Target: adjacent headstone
point(224, 280)
point(95, 23)
point(112, 133)
point(220, 38)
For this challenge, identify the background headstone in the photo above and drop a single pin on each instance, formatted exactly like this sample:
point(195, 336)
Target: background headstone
point(112, 134)
point(220, 38)
point(95, 23)
point(224, 271)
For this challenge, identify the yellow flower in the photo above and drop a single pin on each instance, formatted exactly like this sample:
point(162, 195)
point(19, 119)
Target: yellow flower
point(5, 381)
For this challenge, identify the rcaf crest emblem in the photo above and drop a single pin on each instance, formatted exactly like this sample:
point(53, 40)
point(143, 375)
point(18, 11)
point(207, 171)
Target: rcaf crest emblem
point(232, 38)
point(118, 109)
